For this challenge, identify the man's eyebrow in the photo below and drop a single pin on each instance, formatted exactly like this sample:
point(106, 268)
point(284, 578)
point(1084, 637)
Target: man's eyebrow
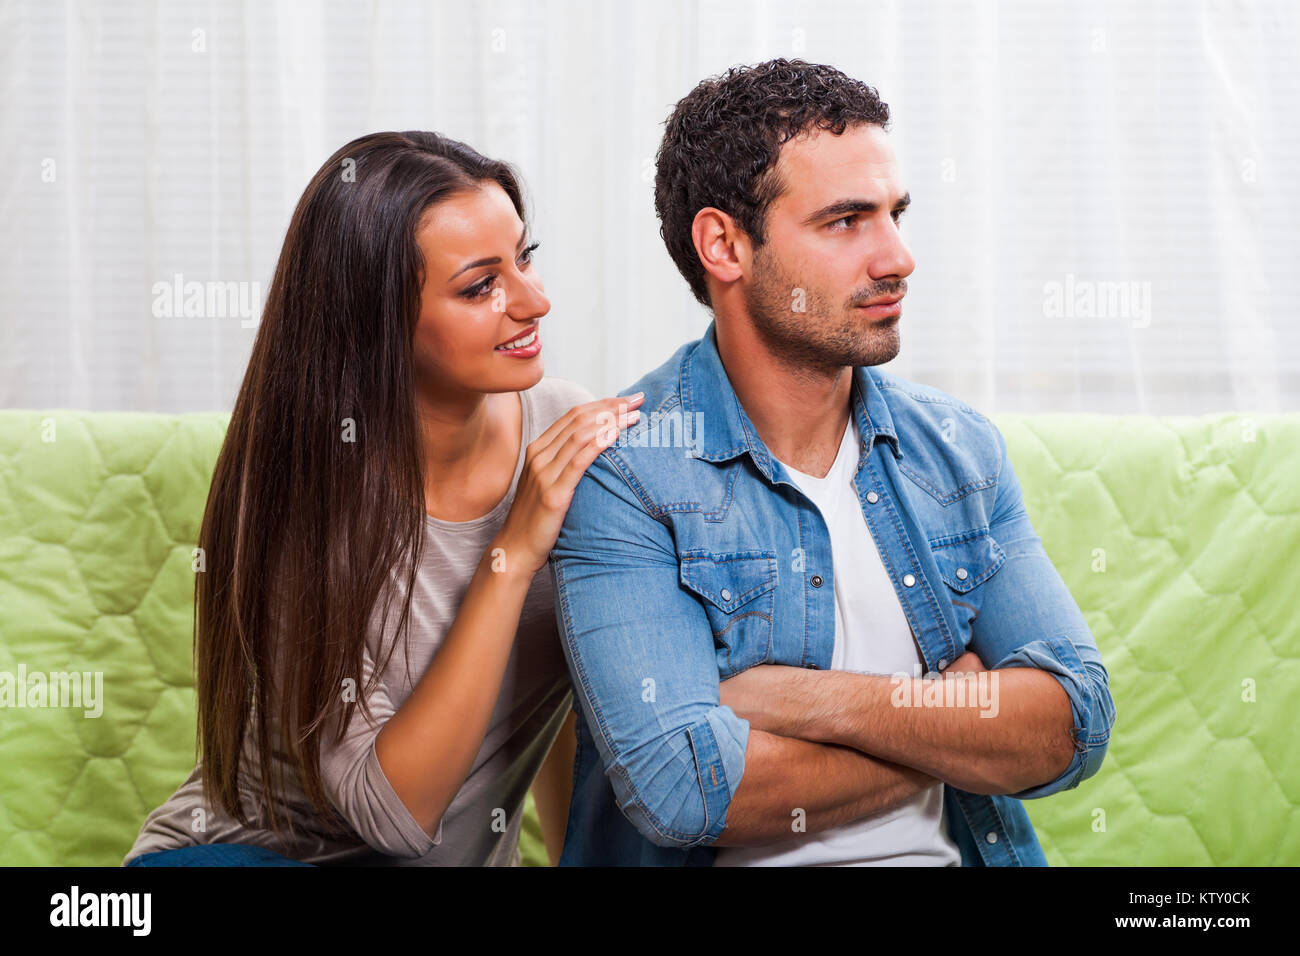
point(493, 261)
point(844, 207)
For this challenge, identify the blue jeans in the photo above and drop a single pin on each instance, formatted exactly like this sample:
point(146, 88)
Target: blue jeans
point(216, 854)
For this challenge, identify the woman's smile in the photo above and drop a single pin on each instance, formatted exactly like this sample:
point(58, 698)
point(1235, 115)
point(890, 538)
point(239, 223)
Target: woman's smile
point(525, 346)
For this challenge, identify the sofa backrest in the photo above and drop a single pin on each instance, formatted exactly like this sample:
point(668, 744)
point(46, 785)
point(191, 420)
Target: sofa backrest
point(1180, 538)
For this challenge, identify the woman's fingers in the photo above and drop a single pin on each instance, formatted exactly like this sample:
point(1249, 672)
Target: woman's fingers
point(573, 460)
point(581, 419)
point(576, 413)
point(578, 464)
point(581, 448)
point(584, 444)
point(552, 472)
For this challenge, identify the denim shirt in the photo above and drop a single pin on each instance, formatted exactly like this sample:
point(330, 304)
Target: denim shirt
point(687, 555)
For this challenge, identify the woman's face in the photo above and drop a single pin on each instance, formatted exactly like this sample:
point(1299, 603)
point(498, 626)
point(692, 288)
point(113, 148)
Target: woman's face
point(480, 292)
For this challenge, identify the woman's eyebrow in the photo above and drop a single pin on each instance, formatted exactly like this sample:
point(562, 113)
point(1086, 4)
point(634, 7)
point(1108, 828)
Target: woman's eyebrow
point(493, 261)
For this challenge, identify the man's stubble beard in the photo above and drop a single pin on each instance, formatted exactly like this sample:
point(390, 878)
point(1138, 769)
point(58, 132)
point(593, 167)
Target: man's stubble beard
point(823, 338)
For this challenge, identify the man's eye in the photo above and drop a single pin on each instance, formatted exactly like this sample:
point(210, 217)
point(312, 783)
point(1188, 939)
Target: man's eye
point(847, 220)
point(898, 215)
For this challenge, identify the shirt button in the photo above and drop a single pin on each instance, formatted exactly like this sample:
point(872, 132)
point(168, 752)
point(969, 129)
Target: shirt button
point(872, 497)
point(961, 574)
point(908, 580)
point(991, 837)
point(726, 595)
point(943, 662)
point(816, 580)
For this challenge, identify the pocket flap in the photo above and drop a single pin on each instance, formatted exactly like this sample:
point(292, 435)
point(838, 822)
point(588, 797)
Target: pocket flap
point(728, 581)
point(969, 561)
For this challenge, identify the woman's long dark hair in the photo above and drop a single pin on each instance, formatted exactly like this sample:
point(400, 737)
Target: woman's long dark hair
point(317, 498)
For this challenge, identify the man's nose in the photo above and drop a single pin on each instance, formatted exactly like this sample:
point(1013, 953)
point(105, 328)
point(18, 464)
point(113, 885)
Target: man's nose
point(894, 258)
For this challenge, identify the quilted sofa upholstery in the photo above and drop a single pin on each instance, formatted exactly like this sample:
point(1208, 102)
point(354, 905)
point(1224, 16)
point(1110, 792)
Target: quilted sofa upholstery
point(1180, 538)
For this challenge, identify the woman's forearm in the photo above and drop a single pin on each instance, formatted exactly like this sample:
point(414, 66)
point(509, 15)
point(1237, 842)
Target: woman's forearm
point(426, 749)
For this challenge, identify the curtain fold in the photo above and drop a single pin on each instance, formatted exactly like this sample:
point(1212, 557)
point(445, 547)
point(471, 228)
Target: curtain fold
point(1104, 196)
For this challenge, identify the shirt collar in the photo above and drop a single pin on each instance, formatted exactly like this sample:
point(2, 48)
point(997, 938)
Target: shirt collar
point(706, 389)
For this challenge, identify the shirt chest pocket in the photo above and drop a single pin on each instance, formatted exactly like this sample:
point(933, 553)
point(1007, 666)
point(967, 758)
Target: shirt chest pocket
point(738, 592)
point(965, 562)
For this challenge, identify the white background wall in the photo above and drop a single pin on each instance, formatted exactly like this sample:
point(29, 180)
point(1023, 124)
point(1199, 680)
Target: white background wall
point(1152, 143)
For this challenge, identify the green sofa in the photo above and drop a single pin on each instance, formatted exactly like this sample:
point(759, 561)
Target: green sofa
point(1180, 538)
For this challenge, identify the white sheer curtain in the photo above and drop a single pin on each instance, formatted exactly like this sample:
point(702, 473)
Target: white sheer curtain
point(1105, 195)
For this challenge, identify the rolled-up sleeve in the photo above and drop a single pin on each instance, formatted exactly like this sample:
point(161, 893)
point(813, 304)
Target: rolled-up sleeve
point(1029, 618)
point(359, 789)
point(640, 653)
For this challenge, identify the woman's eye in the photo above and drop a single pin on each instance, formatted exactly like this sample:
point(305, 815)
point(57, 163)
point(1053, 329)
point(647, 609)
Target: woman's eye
point(483, 287)
point(479, 289)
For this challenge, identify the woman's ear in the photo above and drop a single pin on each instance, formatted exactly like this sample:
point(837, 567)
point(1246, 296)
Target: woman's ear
point(722, 246)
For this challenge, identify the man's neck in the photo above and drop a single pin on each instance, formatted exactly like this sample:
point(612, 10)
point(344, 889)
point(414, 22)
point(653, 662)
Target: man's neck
point(800, 412)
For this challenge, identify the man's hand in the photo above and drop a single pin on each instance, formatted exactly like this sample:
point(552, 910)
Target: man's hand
point(968, 663)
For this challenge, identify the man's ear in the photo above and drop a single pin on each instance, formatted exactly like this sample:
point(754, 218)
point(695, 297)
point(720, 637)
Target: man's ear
point(723, 247)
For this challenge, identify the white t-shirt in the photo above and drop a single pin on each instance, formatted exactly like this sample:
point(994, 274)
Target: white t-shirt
point(872, 636)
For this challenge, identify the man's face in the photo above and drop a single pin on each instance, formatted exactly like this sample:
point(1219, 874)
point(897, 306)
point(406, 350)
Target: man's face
point(832, 247)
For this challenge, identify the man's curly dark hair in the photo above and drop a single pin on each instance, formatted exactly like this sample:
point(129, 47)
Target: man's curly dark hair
point(723, 139)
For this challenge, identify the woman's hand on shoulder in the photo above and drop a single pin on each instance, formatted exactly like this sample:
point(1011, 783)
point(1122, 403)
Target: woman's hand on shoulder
point(554, 463)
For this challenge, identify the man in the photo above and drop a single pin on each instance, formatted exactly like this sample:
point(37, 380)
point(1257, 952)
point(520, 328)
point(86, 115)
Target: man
point(760, 583)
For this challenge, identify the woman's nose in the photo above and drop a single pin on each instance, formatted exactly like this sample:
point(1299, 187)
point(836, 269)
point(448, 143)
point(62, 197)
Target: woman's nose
point(528, 300)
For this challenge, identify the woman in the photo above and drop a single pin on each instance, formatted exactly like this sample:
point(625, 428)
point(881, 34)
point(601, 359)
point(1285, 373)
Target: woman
point(394, 475)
